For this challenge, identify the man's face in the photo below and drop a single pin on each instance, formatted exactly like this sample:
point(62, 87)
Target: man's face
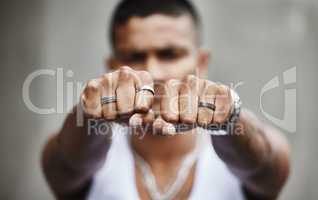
point(163, 45)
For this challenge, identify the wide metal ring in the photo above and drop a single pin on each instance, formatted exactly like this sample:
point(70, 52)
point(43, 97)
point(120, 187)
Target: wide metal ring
point(107, 100)
point(210, 106)
point(147, 88)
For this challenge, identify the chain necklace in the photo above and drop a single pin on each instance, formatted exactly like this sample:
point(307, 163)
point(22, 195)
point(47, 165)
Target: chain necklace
point(175, 186)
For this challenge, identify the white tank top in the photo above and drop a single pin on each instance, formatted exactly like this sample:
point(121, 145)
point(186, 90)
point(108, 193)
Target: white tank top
point(116, 179)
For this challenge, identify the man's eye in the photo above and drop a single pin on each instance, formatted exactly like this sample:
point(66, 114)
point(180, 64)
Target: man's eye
point(134, 58)
point(169, 54)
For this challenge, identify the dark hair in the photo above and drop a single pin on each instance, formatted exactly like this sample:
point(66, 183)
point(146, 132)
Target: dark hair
point(143, 8)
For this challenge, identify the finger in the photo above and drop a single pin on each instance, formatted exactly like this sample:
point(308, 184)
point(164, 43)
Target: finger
point(144, 99)
point(222, 104)
point(205, 115)
point(161, 127)
point(125, 92)
point(169, 105)
point(188, 100)
point(90, 98)
point(141, 124)
point(109, 83)
point(141, 119)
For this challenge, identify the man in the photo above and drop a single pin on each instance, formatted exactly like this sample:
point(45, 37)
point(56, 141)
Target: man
point(164, 155)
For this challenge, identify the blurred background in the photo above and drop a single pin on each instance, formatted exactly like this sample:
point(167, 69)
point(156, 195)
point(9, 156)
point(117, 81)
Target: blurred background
point(251, 42)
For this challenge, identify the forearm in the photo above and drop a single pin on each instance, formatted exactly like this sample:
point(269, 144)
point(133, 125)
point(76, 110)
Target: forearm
point(84, 147)
point(258, 155)
point(72, 156)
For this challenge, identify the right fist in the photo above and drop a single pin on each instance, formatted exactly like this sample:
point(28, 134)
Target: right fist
point(123, 86)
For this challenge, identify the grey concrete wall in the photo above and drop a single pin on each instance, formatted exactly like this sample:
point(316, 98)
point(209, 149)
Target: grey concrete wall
point(251, 41)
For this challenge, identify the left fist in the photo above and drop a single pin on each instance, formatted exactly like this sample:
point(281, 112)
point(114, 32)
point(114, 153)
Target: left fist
point(195, 101)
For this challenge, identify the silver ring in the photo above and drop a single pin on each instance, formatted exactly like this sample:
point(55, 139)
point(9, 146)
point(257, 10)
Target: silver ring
point(147, 88)
point(107, 100)
point(210, 106)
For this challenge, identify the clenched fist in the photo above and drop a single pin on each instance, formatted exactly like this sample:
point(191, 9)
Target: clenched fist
point(194, 101)
point(118, 95)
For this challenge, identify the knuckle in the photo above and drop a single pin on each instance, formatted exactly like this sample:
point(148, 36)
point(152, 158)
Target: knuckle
point(210, 84)
point(211, 87)
point(188, 119)
point(141, 108)
point(125, 68)
point(92, 86)
point(106, 81)
point(192, 80)
point(172, 83)
point(107, 78)
point(146, 76)
point(125, 73)
point(170, 117)
point(223, 89)
point(219, 117)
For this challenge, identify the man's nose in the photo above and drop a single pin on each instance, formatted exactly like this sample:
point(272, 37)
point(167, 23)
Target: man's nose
point(153, 67)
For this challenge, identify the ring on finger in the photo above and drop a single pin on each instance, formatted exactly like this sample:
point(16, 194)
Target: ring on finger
point(208, 105)
point(107, 100)
point(146, 88)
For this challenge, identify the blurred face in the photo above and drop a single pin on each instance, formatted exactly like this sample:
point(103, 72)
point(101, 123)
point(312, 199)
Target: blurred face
point(163, 45)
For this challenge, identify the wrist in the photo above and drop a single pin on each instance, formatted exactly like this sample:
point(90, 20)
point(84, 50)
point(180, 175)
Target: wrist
point(230, 125)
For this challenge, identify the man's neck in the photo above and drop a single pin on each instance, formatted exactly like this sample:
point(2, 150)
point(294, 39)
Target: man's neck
point(156, 148)
point(163, 149)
